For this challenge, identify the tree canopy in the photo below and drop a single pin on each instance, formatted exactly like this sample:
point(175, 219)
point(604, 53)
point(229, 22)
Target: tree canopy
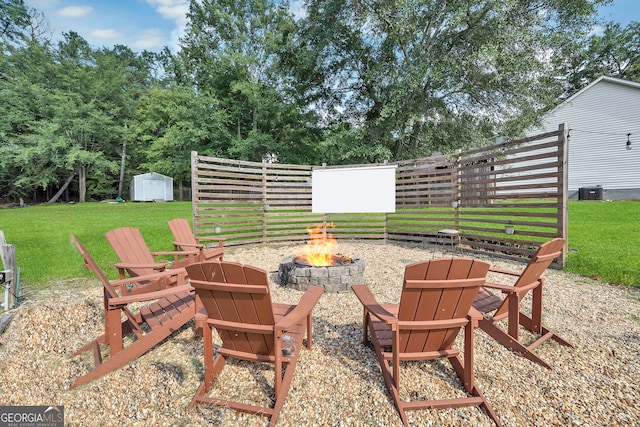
point(614, 53)
point(353, 81)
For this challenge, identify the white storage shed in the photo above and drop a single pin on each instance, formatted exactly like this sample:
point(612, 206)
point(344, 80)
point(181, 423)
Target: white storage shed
point(150, 187)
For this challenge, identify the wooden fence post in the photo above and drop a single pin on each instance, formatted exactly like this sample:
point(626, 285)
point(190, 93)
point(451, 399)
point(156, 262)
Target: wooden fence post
point(8, 256)
point(563, 191)
point(265, 201)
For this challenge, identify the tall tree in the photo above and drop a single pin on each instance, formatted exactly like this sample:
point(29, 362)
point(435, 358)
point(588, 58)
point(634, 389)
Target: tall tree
point(66, 115)
point(123, 78)
point(25, 105)
point(615, 52)
point(232, 48)
point(171, 123)
point(14, 20)
point(401, 78)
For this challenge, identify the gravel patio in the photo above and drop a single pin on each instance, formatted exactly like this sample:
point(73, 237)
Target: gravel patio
point(338, 382)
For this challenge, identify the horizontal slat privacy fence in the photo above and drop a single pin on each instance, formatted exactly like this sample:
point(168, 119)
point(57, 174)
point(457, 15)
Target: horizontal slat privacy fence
point(506, 198)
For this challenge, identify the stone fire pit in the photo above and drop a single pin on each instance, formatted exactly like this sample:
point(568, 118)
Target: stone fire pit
point(335, 278)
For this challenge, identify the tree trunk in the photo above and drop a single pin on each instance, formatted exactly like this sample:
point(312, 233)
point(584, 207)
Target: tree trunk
point(64, 187)
point(122, 164)
point(82, 183)
point(254, 124)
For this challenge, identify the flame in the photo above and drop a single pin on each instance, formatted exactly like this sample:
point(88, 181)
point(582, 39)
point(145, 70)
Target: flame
point(319, 250)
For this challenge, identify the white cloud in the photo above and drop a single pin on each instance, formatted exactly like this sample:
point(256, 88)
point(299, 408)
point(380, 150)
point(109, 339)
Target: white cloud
point(597, 30)
point(106, 33)
point(149, 39)
point(171, 9)
point(297, 9)
point(74, 11)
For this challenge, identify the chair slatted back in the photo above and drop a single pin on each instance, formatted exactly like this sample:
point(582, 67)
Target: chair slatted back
point(541, 260)
point(110, 291)
point(442, 289)
point(181, 231)
point(130, 247)
point(238, 301)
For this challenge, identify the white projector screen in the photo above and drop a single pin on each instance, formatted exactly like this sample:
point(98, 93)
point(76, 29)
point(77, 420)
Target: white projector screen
point(366, 189)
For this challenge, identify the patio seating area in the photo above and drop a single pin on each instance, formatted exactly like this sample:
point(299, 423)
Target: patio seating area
point(338, 380)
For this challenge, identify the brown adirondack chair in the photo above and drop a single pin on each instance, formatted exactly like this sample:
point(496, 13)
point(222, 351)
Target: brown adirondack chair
point(185, 240)
point(435, 304)
point(136, 258)
point(495, 307)
point(168, 310)
point(252, 328)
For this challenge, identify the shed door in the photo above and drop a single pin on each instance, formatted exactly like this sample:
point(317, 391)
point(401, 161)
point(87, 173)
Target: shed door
point(153, 189)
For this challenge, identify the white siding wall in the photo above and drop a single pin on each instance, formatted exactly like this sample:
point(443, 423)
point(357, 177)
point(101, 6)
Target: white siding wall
point(599, 118)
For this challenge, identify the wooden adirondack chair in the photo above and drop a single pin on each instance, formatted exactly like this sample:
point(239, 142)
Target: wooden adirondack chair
point(435, 304)
point(496, 308)
point(185, 240)
point(238, 305)
point(135, 256)
point(169, 309)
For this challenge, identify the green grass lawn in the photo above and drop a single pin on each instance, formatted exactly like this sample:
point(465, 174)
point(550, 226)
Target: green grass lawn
point(603, 237)
point(42, 234)
point(604, 240)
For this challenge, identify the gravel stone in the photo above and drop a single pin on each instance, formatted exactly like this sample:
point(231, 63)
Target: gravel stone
point(338, 382)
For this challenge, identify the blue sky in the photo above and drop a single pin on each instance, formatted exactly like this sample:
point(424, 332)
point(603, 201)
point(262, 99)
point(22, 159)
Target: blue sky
point(139, 24)
point(153, 24)
point(622, 11)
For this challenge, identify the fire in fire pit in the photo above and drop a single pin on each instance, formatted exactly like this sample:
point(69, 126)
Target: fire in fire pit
point(319, 264)
point(321, 248)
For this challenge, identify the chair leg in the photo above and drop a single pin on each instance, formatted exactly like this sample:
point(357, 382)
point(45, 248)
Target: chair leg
point(528, 323)
point(309, 332)
point(509, 342)
point(536, 309)
point(513, 302)
point(468, 374)
point(200, 320)
point(365, 327)
point(113, 331)
point(391, 383)
point(210, 375)
point(473, 391)
point(283, 391)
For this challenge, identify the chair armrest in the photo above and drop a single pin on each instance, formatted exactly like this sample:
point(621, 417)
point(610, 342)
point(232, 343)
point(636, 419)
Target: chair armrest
point(149, 295)
point(174, 272)
point(179, 273)
point(510, 289)
point(474, 314)
point(305, 306)
point(184, 253)
point(501, 271)
point(156, 265)
point(188, 245)
point(369, 302)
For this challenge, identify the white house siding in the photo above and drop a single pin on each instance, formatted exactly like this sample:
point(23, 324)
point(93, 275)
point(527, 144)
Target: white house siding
point(599, 118)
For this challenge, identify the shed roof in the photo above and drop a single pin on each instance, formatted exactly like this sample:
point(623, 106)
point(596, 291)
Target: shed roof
point(153, 175)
